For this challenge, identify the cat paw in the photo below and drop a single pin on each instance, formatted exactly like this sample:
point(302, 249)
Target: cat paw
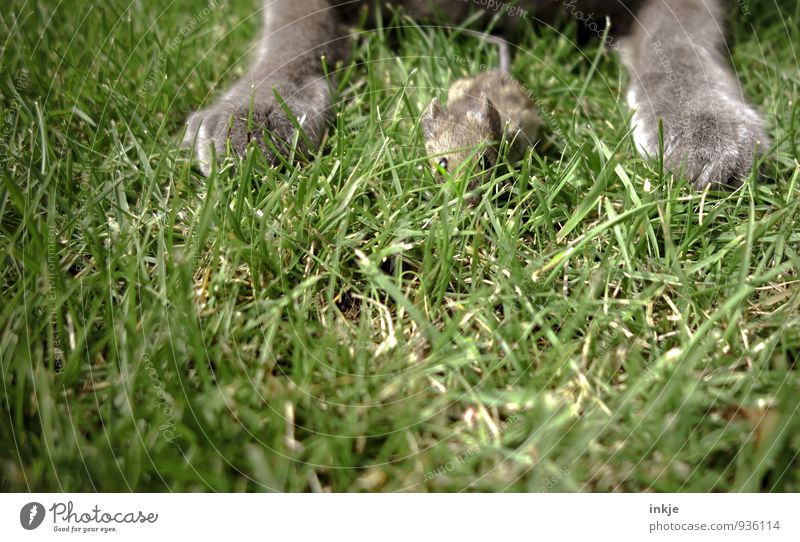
point(237, 121)
point(712, 140)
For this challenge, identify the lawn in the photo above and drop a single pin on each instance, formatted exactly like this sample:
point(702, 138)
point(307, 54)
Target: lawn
point(346, 323)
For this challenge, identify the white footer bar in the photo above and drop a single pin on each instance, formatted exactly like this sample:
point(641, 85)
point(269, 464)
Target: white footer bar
point(357, 517)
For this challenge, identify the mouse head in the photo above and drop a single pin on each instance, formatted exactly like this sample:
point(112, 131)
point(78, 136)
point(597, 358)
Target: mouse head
point(463, 139)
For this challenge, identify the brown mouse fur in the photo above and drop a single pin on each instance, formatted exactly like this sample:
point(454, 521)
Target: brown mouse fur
point(464, 135)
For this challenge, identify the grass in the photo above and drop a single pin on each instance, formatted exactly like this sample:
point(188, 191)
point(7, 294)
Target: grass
point(349, 324)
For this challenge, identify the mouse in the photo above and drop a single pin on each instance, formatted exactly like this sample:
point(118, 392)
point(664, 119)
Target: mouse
point(464, 134)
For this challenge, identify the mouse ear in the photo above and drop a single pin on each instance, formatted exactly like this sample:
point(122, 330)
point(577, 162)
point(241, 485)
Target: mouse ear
point(485, 111)
point(431, 117)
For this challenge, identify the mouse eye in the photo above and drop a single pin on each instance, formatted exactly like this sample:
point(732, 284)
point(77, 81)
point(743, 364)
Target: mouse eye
point(443, 163)
point(485, 162)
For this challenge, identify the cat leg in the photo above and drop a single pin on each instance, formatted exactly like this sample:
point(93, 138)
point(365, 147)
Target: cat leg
point(680, 76)
point(296, 33)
